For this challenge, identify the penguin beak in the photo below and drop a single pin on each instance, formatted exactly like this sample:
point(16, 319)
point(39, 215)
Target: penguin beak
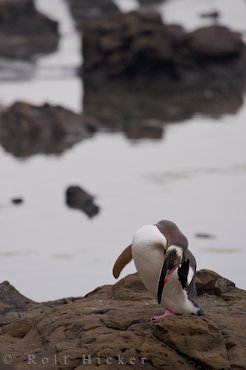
point(165, 272)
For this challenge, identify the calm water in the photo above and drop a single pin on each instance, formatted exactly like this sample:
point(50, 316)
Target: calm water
point(195, 176)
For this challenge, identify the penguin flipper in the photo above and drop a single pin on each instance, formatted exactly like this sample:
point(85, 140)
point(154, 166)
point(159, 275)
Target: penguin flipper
point(124, 258)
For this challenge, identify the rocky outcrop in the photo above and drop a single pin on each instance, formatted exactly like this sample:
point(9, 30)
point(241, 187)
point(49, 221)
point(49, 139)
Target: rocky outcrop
point(111, 326)
point(87, 10)
point(139, 46)
point(24, 31)
point(27, 129)
point(78, 198)
point(139, 72)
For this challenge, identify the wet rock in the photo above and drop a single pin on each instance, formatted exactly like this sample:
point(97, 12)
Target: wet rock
point(150, 3)
point(17, 201)
point(137, 69)
point(204, 236)
point(112, 324)
point(215, 14)
point(216, 43)
point(27, 129)
point(86, 10)
point(24, 31)
point(78, 198)
point(139, 46)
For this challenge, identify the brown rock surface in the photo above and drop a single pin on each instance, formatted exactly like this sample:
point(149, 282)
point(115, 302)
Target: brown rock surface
point(111, 327)
point(24, 31)
point(27, 129)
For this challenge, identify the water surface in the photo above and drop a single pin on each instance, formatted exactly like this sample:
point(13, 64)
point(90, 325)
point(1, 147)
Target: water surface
point(195, 176)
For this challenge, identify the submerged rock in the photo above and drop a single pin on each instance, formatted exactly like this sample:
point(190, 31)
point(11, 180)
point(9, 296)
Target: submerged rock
point(149, 3)
point(17, 201)
point(86, 10)
point(27, 129)
point(78, 198)
point(24, 31)
point(111, 327)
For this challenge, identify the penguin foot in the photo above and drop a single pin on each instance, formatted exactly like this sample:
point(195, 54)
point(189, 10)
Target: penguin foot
point(166, 313)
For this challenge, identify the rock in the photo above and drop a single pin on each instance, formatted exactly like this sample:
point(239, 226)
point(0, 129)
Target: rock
point(149, 3)
point(27, 129)
point(24, 31)
point(78, 198)
point(210, 351)
point(111, 327)
point(215, 14)
point(12, 300)
point(17, 201)
point(216, 42)
point(137, 70)
point(210, 282)
point(139, 46)
point(86, 10)
point(204, 236)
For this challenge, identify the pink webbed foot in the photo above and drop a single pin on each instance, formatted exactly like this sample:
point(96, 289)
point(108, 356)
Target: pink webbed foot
point(165, 314)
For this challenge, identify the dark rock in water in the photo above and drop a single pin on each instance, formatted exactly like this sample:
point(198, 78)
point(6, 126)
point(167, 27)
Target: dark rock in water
point(17, 201)
point(86, 10)
point(149, 3)
point(216, 43)
point(213, 14)
point(204, 236)
point(112, 324)
point(138, 46)
point(24, 31)
point(137, 69)
point(78, 198)
point(27, 129)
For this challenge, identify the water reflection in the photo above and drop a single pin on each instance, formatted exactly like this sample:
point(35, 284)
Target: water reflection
point(143, 112)
point(201, 160)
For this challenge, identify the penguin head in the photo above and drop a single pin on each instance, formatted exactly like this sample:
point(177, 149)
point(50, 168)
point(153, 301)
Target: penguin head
point(174, 257)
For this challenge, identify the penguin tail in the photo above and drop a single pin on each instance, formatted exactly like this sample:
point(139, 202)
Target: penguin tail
point(124, 258)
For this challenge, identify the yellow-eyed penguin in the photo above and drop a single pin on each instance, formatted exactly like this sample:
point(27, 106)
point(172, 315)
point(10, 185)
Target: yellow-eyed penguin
point(165, 265)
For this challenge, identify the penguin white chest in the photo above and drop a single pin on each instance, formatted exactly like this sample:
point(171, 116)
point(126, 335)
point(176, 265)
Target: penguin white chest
point(148, 248)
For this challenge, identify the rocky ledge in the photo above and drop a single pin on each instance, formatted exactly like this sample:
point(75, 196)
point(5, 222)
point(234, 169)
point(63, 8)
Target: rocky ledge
point(27, 129)
point(24, 31)
point(111, 328)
